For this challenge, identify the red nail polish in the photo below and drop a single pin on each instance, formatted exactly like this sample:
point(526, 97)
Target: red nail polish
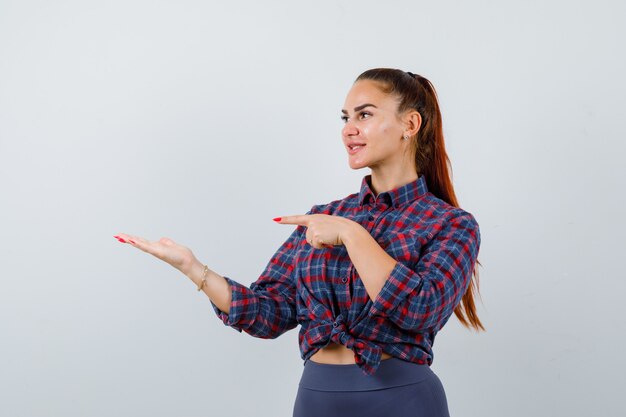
point(277, 219)
point(121, 240)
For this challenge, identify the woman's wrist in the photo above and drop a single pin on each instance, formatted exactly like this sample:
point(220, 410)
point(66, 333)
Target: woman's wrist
point(194, 271)
point(216, 287)
point(350, 232)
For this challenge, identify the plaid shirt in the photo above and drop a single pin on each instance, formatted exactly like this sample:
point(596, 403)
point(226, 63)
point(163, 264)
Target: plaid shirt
point(435, 245)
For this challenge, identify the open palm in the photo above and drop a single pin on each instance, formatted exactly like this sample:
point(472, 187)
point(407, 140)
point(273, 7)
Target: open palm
point(179, 256)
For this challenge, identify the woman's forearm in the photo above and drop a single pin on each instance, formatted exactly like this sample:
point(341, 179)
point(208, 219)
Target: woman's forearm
point(370, 260)
point(216, 287)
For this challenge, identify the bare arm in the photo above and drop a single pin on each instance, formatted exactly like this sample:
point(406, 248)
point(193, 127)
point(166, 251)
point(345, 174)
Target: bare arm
point(180, 257)
point(216, 286)
point(370, 260)
point(266, 309)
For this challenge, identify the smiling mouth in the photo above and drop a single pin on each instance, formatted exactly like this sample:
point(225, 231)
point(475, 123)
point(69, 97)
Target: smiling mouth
point(354, 149)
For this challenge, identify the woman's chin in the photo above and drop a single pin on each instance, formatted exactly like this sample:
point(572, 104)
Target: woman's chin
point(356, 165)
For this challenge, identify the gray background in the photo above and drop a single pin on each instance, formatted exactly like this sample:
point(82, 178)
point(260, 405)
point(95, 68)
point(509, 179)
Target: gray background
point(201, 121)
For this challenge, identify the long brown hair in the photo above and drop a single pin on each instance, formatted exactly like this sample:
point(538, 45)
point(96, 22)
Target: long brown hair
point(431, 159)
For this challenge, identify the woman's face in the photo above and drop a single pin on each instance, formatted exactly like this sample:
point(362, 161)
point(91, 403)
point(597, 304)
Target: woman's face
point(370, 118)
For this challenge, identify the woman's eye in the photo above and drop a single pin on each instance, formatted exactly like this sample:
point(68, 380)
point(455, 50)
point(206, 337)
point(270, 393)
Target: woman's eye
point(345, 118)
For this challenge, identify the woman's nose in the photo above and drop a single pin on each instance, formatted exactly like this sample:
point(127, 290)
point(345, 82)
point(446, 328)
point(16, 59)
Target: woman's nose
point(349, 129)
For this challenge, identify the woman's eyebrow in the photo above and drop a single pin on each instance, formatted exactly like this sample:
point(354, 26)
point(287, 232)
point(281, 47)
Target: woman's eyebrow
point(357, 108)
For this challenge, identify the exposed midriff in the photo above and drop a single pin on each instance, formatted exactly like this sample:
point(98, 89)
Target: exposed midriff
point(337, 354)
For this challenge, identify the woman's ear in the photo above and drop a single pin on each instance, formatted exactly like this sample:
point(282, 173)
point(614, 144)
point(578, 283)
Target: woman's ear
point(412, 122)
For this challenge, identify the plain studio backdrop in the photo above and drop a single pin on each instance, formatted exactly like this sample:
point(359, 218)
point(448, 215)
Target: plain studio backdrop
point(201, 121)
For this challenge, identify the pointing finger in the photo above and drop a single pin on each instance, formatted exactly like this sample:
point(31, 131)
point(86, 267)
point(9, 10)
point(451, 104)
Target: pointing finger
point(302, 219)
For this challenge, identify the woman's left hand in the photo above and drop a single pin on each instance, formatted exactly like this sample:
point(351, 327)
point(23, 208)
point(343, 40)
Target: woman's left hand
point(323, 230)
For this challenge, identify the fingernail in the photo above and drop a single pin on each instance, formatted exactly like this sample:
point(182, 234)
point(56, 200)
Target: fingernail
point(277, 219)
point(121, 240)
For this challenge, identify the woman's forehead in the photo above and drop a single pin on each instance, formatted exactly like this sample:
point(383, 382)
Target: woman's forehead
point(366, 91)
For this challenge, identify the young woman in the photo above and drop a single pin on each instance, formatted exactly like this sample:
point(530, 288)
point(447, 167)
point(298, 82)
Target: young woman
point(372, 277)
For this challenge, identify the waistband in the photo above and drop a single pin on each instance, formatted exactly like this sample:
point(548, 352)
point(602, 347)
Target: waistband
point(391, 372)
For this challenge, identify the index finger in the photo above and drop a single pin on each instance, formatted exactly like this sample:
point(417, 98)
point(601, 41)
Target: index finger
point(300, 219)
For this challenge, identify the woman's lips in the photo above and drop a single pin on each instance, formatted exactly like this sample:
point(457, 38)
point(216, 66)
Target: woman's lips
point(354, 150)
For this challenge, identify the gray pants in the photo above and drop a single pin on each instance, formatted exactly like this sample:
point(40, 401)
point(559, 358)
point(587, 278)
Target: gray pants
point(398, 389)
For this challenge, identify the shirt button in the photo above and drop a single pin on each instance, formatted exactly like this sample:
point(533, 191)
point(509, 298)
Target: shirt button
point(335, 324)
point(344, 280)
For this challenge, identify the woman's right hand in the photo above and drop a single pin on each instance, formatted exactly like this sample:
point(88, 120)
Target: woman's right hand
point(179, 256)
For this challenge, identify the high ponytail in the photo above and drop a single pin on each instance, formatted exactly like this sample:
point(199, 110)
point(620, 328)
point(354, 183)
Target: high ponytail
point(431, 158)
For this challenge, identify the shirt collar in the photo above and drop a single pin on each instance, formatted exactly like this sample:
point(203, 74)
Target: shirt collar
point(396, 197)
